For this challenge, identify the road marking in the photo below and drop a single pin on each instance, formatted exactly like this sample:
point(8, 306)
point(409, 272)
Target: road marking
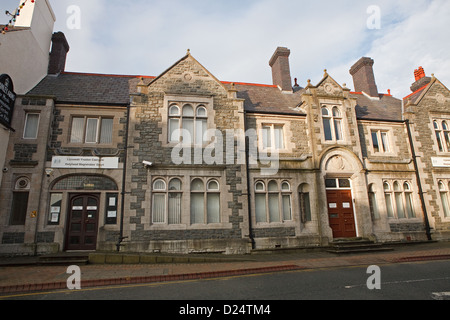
point(397, 282)
point(440, 295)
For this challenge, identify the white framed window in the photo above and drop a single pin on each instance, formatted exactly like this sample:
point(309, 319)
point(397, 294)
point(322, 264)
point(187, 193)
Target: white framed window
point(30, 130)
point(188, 123)
point(444, 195)
point(332, 122)
point(205, 201)
point(166, 202)
point(380, 141)
point(91, 130)
point(442, 134)
point(399, 199)
point(273, 204)
point(272, 136)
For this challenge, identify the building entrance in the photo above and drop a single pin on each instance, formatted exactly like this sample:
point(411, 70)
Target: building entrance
point(340, 208)
point(82, 226)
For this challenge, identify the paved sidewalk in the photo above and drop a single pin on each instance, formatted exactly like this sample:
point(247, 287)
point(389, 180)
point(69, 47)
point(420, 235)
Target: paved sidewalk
point(28, 278)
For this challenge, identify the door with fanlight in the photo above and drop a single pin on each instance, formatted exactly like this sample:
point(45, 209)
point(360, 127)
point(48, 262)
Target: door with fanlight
point(340, 208)
point(82, 227)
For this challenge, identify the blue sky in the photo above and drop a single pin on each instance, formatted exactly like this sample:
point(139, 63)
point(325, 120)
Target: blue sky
point(235, 39)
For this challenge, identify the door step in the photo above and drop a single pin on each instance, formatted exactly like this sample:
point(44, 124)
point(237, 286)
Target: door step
point(356, 245)
point(65, 258)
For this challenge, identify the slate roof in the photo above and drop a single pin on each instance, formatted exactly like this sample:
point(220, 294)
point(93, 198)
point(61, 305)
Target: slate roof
point(85, 88)
point(385, 108)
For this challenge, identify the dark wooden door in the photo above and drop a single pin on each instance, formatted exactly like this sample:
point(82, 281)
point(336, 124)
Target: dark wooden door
point(340, 213)
point(82, 226)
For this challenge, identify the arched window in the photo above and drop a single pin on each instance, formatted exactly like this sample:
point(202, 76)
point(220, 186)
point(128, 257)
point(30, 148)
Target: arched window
point(373, 203)
point(304, 200)
point(408, 200)
point(166, 202)
point(273, 204)
point(190, 124)
point(443, 190)
point(332, 124)
point(175, 195)
point(159, 201)
point(388, 199)
point(205, 202)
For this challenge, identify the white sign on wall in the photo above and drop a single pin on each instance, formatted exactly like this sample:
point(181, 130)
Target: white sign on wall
point(441, 162)
point(61, 162)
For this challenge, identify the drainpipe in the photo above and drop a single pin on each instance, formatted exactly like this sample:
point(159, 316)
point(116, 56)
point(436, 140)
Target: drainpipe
point(419, 184)
point(124, 175)
point(247, 168)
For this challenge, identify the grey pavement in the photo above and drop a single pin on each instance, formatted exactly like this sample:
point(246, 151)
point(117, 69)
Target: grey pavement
point(25, 274)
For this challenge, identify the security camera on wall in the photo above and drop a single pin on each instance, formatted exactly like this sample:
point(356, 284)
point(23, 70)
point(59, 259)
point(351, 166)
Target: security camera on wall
point(147, 163)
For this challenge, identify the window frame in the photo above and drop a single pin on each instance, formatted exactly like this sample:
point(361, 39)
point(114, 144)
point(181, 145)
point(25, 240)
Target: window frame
point(26, 124)
point(181, 118)
point(401, 199)
point(167, 193)
point(207, 194)
point(273, 199)
point(334, 118)
point(441, 130)
point(271, 137)
point(384, 147)
point(84, 132)
point(444, 197)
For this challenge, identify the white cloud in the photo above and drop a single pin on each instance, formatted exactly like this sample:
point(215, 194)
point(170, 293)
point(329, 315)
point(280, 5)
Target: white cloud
point(235, 39)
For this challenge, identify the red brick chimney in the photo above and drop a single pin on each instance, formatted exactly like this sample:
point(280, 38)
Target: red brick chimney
point(421, 79)
point(363, 77)
point(58, 54)
point(281, 73)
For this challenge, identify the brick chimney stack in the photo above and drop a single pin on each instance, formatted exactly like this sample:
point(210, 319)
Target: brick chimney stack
point(281, 73)
point(421, 79)
point(363, 77)
point(58, 55)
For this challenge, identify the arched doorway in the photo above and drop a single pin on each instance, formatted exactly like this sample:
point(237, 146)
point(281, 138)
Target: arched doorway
point(86, 196)
point(343, 180)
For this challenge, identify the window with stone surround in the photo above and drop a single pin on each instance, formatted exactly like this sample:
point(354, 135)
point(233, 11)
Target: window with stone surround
point(91, 130)
point(273, 201)
point(332, 122)
point(166, 201)
point(205, 201)
point(272, 137)
point(442, 134)
point(188, 123)
point(380, 141)
point(399, 199)
point(444, 195)
point(30, 130)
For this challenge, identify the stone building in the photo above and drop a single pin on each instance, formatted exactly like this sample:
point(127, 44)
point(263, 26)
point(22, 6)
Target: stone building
point(184, 162)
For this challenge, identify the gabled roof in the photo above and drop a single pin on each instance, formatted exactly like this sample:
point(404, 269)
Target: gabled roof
point(418, 95)
point(386, 107)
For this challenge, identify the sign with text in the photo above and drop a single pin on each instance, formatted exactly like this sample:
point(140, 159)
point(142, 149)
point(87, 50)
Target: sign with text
point(61, 162)
point(441, 162)
point(7, 99)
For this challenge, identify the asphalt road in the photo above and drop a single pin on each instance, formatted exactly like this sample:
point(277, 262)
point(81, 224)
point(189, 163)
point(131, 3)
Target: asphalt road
point(405, 281)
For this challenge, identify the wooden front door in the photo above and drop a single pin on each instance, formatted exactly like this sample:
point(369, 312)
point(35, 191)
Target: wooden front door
point(82, 226)
point(340, 213)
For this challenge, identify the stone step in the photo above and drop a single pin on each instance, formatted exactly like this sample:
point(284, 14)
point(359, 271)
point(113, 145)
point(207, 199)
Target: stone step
point(64, 259)
point(356, 245)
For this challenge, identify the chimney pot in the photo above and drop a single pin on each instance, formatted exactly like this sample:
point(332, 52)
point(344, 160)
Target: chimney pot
point(281, 73)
